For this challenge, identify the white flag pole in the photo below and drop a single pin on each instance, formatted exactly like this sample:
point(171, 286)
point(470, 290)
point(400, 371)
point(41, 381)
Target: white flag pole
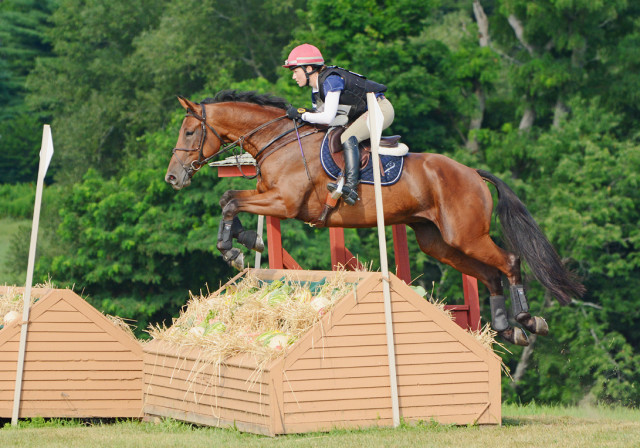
point(259, 232)
point(375, 127)
point(46, 152)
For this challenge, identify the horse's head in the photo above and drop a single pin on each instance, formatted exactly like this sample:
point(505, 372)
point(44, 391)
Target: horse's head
point(195, 146)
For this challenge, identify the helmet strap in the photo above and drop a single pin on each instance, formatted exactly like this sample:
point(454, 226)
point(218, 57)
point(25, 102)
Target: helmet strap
point(308, 74)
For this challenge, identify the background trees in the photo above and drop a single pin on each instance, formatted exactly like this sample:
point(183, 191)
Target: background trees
point(542, 93)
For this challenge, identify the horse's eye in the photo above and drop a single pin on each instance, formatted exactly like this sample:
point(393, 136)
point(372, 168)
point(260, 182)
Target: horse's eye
point(189, 133)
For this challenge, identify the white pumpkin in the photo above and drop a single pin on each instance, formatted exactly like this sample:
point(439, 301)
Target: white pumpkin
point(320, 302)
point(10, 317)
point(197, 331)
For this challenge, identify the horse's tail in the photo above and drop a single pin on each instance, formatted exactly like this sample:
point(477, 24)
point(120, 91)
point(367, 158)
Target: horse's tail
point(526, 239)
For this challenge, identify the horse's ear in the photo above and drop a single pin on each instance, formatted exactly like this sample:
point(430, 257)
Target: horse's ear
point(186, 103)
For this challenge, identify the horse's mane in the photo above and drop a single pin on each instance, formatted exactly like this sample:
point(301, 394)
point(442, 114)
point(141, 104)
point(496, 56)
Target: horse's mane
point(261, 99)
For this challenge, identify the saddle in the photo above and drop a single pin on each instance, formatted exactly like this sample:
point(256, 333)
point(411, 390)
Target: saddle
point(335, 147)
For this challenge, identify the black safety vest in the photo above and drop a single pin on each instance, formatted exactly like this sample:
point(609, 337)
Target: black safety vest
point(355, 89)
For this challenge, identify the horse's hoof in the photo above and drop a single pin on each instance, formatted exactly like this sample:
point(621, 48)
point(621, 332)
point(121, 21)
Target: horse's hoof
point(536, 325)
point(238, 262)
point(234, 258)
point(515, 336)
point(259, 246)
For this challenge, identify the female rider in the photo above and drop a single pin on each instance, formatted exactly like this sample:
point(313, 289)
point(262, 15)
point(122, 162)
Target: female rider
point(335, 92)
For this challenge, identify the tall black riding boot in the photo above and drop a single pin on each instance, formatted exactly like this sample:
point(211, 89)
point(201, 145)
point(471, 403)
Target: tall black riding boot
point(351, 170)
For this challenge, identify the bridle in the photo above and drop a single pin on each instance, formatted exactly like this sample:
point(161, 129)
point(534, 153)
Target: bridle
point(195, 165)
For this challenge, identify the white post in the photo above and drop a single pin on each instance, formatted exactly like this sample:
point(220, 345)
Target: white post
point(375, 127)
point(46, 152)
point(259, 231)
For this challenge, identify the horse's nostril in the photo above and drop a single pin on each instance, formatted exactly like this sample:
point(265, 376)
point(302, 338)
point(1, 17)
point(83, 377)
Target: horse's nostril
point(170, 178)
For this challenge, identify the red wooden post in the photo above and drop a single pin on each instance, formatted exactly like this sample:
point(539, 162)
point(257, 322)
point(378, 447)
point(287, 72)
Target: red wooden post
point(471, 298)
point(279, 258)
point(401, 250)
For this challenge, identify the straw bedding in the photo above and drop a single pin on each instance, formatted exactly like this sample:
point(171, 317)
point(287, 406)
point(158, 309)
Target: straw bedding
point(252, 316)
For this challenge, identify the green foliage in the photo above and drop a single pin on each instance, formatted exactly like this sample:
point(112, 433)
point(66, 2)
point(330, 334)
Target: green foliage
point(16, 201)
point(22, 40)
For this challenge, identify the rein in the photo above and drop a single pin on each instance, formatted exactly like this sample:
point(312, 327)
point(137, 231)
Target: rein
point(195, 165)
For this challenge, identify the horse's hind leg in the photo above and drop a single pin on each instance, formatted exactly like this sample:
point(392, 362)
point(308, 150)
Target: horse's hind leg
point(431, 242)
point(481, 247)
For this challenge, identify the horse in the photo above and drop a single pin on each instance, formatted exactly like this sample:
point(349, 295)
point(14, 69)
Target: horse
point(447, 204)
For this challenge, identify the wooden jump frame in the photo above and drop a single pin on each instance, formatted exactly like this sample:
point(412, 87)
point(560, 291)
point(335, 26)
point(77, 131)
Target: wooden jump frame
point(467, 315)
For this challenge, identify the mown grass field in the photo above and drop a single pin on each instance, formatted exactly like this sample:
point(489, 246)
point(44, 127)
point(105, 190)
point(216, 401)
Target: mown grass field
point(529, 426)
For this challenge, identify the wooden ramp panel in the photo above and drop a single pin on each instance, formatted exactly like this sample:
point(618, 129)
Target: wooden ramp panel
point(179, 384)
point(77, 363)
point(339, 375)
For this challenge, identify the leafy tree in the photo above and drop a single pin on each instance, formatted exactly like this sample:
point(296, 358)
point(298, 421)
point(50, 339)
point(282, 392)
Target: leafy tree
point(22, 40)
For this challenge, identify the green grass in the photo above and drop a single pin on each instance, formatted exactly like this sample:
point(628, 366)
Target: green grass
point(8, 227)
point(531, 426)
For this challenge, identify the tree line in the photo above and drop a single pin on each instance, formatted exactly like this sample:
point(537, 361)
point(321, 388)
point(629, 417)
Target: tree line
point(542, 93)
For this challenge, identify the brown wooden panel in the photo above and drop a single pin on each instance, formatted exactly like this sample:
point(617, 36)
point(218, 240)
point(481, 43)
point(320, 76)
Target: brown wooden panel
point(63, 317)
point(152, 372)
point(381, 339)
point(331, 417)
point(340, 329)
point(444, 378)
point(381, 360)
point(453, 413)
point(93, 365)
point(74, 346)
point(66, 337)
point(337, 373)
point(329, 384)
point(378, 318)
point(77, 385)
point(173, 355)
point(407, 369)
point(72, 395)
point(33, 355)
point(324, 403)
point(383, 381)
point(378, 307)
point(363, 393)
point(62, 305)
point(78, 327)
point(71, 374)
point(208, 420)
point(336, 405)
point(188, 365)
point(98, 409)
point(205, 397)
point(447, 409)
point(404, 349)
point(407, 390)
point(256, 393)
point(431, 391)
point(206, 409)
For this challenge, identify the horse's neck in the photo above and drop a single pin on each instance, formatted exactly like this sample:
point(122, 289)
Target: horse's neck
point(242, 119)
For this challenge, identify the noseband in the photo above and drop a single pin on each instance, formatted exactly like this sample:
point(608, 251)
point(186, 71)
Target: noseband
point(195, 165)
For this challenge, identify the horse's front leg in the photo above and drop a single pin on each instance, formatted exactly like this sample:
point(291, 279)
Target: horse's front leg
point(230, 227)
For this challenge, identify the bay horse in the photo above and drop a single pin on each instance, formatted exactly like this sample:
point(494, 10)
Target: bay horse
point(448, 205)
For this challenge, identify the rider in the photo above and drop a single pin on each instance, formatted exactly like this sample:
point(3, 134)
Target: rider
point(336, 91)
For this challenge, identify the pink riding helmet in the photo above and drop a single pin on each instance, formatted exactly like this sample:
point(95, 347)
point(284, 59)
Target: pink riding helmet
point(304, 54)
